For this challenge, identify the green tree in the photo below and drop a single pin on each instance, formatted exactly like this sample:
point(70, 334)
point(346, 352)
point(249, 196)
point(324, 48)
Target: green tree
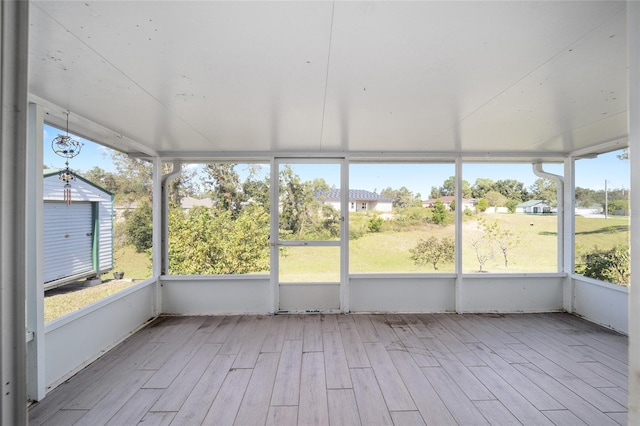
point(433, 251)
point(138, 227)
point(505, 239)
point(482, 205)
point(495, 199)
point(211, 241)
point(255, 188)
point(483, 250)
point(223, 183)
point(544, 189)
point(617, 206)
point(449, 187)
point(295, 197)
point(512, 204)
point(439, 212)
point(586, 197)
point(512, 189)
point(402, 198)
point(133, 177)
point(435, 193)
point(481, 187)
point(100, 177)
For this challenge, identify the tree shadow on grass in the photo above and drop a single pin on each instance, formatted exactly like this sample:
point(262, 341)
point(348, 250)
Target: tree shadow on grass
point(606, 230)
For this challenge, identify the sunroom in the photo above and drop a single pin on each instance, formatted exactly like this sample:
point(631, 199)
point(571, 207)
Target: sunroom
point(355, 95)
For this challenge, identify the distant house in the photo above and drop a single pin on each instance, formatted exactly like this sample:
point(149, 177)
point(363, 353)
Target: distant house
point(467, 203)
point(593, 209)
point(533, 207)
point(187, 203)
point(359, 200)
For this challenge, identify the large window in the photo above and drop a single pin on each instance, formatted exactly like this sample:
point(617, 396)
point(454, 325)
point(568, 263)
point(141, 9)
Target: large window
point(602, 217)
point(219, 219)
point(513, 226)
point(409, 223)
point(98, 229)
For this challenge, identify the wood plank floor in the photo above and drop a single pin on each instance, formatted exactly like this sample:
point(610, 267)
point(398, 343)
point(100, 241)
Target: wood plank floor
point(441, 369)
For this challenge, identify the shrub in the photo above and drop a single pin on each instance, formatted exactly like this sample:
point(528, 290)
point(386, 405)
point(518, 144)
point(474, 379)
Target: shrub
point(606, 265)
point(206, 241)
point(512, 205)
point(375, 224)
point(439, 212)
point(482, 205)
point(433, 251)
point(139, 228)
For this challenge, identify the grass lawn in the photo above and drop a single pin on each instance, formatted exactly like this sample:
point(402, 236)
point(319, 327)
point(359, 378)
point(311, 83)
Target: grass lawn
point(536, 250)
point(135, 265)
point(71, 297)
point(66, 299)
point(601, 233)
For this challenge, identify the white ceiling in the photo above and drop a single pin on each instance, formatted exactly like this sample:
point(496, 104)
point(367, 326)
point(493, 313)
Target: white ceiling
point(525, 78)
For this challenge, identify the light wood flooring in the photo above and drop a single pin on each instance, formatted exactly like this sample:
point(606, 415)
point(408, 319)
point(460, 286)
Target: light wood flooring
point(439, 369)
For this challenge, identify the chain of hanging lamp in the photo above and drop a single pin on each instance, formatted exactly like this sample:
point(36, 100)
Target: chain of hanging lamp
point(67, 148)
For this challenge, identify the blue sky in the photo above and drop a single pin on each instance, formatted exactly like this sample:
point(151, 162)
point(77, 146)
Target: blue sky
point(418, 178)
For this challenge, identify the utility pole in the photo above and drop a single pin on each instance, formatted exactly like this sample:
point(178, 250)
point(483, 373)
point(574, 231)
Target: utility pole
point(606, 201)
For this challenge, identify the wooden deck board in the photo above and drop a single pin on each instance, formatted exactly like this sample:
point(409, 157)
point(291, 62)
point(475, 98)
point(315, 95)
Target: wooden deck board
point(343, 409)
point(442, 369)
point(286, 390)
point(197, 404)
point(226, 404)
point(313, 408)
point(255, 404)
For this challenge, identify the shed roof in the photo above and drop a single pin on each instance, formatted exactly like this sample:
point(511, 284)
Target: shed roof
point(47, 173)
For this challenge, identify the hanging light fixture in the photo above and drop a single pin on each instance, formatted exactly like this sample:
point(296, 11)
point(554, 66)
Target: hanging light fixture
point(66, 147)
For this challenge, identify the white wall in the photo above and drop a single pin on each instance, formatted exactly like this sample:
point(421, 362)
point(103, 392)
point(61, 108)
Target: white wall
point(215, 295)
point(74, 341)
point(309, 296)
point(391, 293)
point(600, 302)
point(511, 293)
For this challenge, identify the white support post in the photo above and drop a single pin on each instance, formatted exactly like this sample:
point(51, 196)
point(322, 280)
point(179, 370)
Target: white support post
point(274, 296)
point(344, 232)
point(459, 294)
point(633, 45)
point(14, 54)
point(569, 228)
point(157, 232)
point(36, 384)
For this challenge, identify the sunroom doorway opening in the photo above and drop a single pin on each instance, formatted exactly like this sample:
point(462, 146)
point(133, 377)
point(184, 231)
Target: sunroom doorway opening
point(308, 249)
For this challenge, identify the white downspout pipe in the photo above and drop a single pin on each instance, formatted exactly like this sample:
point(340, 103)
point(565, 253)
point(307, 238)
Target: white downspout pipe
point(559, 180)
point(166, 180)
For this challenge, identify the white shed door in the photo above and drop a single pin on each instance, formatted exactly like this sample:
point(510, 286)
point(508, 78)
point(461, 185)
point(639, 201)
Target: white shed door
point(68, 240)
